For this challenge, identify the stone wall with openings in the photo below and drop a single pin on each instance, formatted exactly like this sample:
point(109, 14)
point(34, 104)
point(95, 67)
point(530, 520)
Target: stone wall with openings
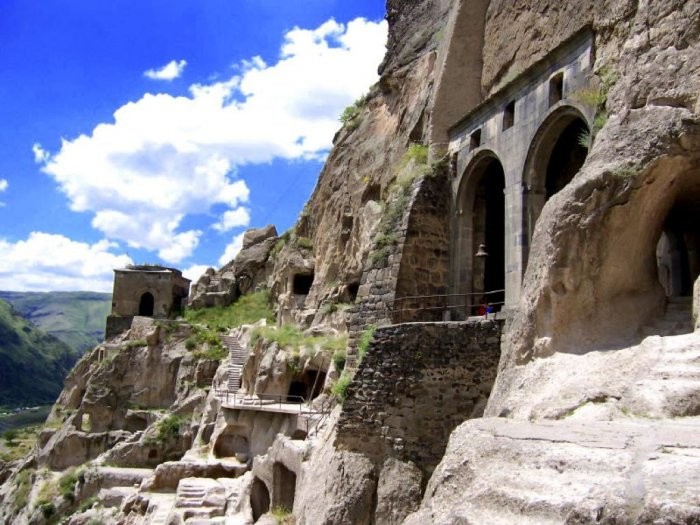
point(416, 383)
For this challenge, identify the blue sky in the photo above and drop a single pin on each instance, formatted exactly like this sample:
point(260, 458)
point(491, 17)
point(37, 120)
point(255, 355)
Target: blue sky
point(160, 130)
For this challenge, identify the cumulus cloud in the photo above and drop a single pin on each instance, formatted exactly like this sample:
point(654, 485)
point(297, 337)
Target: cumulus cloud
point(169, 71)
point(233, 219)
point(194, 272)
point(45, 262)
point(232, 250)
point(166, 157)
point(3, 185)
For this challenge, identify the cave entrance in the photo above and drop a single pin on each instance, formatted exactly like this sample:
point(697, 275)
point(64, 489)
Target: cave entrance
point(678, 248)
point(308, 386)
point(479, 256)
point(259, 499)
point(284, 483)
point(301, 284)
point(146, 304)
point(230, 443)
point(557, 153)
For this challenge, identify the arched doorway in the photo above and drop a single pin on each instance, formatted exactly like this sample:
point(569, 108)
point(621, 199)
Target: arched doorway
point(146, 304)
point(480, 244)
point(557, 153)
point(284, 486)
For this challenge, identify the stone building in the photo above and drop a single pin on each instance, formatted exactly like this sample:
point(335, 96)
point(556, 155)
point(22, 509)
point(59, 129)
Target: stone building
point(145, 290)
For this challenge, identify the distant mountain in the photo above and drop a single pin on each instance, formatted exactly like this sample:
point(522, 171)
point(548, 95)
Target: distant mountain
point(33, 364)
point(76, 318)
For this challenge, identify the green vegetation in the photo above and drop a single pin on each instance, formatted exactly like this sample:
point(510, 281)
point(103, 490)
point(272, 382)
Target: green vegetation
point(350, 117)
point(168, 429)
point(23, 486)
point(291, 336)
point(282, 515)
point(33, 363)
point(339, 390)
point(596, 97)
point(21, 442)
point(413, 165)
point(67, 482)
point(246, 310)
point(76, 318)
point(281, 242)
point(339, 358)
point(365, 340)
point(87, 503)
point(135, 343)
point(304, 242)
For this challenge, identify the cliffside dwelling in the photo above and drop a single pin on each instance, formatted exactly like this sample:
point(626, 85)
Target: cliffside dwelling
point(147, 291)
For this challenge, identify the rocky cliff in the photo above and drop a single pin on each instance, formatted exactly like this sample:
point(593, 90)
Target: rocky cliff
point(593, 407)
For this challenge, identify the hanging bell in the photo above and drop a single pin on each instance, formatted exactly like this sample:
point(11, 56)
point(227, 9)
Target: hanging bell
point(482, 251)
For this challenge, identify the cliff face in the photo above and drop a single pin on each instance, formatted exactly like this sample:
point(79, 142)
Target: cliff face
point(595, 403)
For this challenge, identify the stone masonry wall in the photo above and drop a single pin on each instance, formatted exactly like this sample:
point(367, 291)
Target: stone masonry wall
point(416, 383)
point(418, 263)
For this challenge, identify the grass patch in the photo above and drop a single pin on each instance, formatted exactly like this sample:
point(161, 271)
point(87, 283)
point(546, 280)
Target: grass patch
point(87, 503)
point(135, 343)
point(304, 243)
point(67, 482)
point(596, 97)
point(23, 484)
point(291, 336)
point(246, 310)
point(365, 340)
point(339, 358)
point(339, 390)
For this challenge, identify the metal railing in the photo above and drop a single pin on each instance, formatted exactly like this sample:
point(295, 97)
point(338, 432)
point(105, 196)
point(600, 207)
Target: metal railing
point(445, 307)
point(279, 402)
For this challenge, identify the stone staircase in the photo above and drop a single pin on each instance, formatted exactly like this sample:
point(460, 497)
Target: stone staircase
point(202, 498)
point(162, 505)
point(676, 321)
point(238, 356)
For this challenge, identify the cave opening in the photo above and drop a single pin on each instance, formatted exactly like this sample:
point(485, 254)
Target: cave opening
point(259, 499)
point(678, 247)
point(301, 284)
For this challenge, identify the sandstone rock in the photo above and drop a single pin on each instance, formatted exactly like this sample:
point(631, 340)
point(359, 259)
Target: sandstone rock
point(398, 491)
point(506, 471)
point(167, 475)
point(258, 235)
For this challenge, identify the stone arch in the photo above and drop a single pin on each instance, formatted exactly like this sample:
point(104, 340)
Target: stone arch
point(284, 483)
point(480, 219)
point(259, 499)
point(232, 443)
point(557, 152)
point(147, 304)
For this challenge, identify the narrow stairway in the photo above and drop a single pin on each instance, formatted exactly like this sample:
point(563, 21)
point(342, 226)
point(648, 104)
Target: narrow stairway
point(238, 356)
point(677, 320)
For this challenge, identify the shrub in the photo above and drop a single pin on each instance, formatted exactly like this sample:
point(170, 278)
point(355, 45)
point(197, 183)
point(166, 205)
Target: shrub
point(10, 436)
point(339, 390)
point(169, 428)
point(23, 484)
point(339, 358)
point(87, 503)
point(282, 515)
point(66, 484)
point(350, 117)
point(191, 342)
point(304, 242)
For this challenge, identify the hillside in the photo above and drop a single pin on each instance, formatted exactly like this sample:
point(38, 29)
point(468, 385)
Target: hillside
point(76, 318)
point(33, 363)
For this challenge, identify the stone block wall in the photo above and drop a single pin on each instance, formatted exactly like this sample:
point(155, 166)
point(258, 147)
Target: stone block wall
point(416, 383)
point(418, 263)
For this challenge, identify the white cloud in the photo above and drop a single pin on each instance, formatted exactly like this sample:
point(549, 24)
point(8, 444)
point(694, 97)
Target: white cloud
point(165, 157)
point(3, 185)
point(194, 272)
point(232, 250)
point(233, 219)
point(169, 71)
point(45, 262)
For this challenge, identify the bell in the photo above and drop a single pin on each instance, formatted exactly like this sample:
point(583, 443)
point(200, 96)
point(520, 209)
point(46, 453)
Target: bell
point(482, 251)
